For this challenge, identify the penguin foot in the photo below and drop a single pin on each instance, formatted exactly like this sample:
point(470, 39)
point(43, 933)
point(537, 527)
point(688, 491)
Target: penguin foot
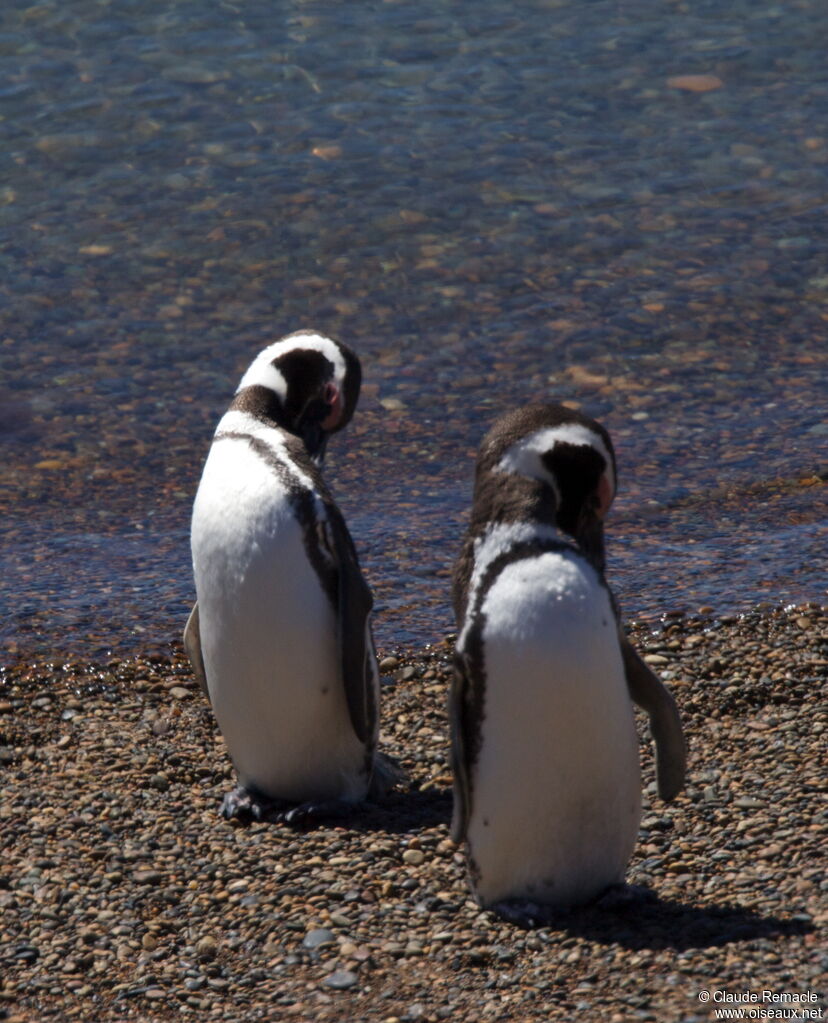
point(522, 912)
point(307, 813)
point(623, 896)
point(248, 805)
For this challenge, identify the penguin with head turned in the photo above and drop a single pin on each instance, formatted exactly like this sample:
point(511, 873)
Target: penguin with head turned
point(547, 783)
point(280, 636)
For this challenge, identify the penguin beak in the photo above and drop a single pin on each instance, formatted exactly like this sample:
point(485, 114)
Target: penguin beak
point(321, 447)
point(315, 438)
point(315, 421)
point(589, 535)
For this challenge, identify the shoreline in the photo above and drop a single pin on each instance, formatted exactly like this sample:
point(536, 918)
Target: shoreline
point(167, 649)
point(124, 896)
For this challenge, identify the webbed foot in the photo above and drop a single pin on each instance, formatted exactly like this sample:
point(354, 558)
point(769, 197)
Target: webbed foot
point(623, 896)
point(522, 912)
point(307, 813)
point(248, 804)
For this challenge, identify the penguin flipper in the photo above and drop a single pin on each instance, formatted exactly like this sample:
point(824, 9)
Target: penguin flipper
point(192, 645)
point(356, 646)
point(649, 693)
point(458, 703)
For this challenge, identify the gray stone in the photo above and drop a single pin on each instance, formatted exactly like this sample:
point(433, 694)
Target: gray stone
point(341, 980)
point(319, 938)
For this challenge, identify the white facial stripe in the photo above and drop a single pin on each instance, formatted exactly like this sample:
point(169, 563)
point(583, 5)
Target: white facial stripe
point(525, 458)
point(263, 372)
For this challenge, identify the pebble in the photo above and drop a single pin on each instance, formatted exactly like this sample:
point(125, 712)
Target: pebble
point(149, 877)
point(319, 938)
point(327, 152)
point(206, 947)
point(193, 74)
point(392, 404)
point(341, 980)
point(695, 83)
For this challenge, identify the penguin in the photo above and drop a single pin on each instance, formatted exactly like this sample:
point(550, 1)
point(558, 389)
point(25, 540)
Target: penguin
point(544, 750)
point(280, 636)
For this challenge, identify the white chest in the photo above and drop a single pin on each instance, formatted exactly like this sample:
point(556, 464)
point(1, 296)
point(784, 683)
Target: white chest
point(269, 633)
point(556, 788)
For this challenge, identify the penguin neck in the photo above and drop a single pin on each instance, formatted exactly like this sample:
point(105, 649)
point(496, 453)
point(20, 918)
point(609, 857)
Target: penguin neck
point(522, 500)
point(263, 404)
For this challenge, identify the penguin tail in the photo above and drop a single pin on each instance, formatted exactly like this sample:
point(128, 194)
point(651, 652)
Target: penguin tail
point(385, 775)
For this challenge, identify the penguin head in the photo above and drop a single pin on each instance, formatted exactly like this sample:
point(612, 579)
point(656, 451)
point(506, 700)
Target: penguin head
point(555, 464)
point(306, 383)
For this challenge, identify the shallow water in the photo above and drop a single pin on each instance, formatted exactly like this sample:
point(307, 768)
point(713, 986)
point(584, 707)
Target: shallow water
point(491, 206)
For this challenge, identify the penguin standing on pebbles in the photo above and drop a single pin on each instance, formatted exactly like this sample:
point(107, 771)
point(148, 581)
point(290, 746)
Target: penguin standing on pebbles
point(280, 636)
point(547, 784)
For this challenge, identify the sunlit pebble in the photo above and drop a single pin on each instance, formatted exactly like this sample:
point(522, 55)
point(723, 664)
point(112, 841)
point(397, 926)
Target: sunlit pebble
point(695, 83)
point(327, 152)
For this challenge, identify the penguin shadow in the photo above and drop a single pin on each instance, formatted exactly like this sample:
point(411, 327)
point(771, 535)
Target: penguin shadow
point(640, 919)
point(398, 812)
point(403, 811)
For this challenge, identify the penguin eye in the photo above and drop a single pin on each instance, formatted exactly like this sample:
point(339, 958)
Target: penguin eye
point(331, 393)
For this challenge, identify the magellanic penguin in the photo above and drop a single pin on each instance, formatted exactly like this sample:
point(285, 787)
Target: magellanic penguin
point(547, 785)
point(280, 636)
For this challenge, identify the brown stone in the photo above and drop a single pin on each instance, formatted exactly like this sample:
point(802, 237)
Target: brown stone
point(695, 83)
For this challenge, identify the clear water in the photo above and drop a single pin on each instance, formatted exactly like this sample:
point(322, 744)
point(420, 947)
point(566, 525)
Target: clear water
point(492, 206)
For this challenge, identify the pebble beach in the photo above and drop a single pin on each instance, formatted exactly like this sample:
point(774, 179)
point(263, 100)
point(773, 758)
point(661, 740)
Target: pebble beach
point(125, 896)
